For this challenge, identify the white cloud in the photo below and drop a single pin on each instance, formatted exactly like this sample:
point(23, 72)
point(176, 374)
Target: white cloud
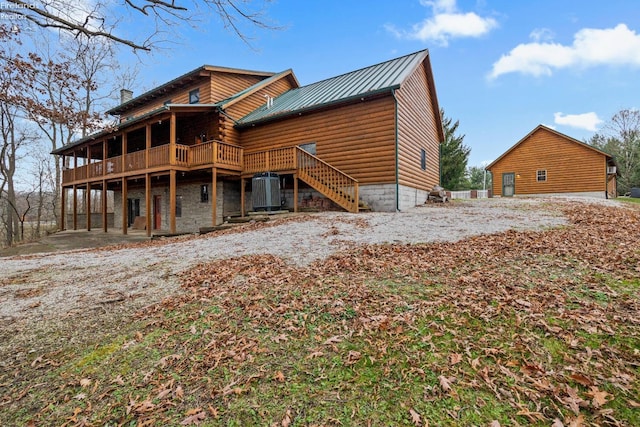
point(587, 121)
point(591, 47)
point(541, 35)
point(446, 23)
point(440, 5)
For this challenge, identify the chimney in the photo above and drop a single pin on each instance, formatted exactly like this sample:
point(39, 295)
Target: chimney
point(125, 95)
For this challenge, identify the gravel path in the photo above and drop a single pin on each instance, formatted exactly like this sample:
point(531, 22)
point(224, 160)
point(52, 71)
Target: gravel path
point(56, 285)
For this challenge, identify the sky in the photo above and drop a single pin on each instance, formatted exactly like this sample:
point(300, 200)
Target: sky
point(501, 67)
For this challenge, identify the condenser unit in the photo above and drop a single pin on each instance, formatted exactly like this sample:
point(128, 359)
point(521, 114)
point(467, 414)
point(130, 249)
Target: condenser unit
point(265, 191)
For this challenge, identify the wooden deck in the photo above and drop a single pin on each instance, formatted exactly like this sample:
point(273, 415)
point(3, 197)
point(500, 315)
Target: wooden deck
point(333, 183)
point(206, 155)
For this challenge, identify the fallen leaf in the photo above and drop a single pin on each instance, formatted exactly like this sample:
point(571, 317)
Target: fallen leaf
point(599, 398)
point(415, 417)
point(194, 418)
point(333, 340)
point(279, 376)
point(286, 420)
point(278, 338)
point(179, 392)
point(455, 358)
point(581, 379)
point(475, 363)
point(577, 421)
point(445, 383)
point(314, 355)
point(85, 382)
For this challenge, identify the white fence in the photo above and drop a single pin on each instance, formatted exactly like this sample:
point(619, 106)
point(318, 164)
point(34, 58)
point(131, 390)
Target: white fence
point(479, 194)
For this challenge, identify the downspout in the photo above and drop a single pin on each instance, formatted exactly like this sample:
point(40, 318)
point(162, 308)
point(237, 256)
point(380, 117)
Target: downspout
point(393, 93)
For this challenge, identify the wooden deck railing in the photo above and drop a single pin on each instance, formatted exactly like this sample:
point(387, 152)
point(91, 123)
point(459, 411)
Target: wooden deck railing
point(134, 161)
point(333, 183)
point(211, 152)
point(215, 152)
point(159, 156)
point(278, 159)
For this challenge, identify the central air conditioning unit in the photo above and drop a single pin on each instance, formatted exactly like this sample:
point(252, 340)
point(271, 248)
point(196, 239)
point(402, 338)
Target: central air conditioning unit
point(611, 170)
point(265, 191)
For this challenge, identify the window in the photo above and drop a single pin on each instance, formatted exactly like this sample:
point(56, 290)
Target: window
point(194, 96)
point(309, 148)
point(178, 206)
point(423, 159)
point(204, 193)
point(541, 175)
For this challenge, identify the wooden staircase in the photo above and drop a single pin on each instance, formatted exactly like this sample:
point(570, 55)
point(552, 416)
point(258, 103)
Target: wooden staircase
point(318, 174)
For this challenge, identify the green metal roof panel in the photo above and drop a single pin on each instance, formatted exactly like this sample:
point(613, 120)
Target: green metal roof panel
point(374, 79)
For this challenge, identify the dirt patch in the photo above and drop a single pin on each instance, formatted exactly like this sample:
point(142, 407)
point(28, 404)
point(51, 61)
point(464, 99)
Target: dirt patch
point(73, 239)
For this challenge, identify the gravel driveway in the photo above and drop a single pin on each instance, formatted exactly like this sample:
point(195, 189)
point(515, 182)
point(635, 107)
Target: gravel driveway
point(51, 285)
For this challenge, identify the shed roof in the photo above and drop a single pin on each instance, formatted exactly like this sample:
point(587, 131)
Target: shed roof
point(608, 156)
point(364, 82)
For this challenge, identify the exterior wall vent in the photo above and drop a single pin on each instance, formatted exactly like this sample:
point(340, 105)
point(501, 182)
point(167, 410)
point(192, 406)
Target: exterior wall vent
point(265, 191)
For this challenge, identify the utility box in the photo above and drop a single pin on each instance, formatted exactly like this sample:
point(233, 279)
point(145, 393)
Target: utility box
point(265, 191)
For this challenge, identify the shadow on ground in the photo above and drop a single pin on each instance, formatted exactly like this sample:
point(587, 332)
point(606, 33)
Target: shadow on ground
point(74, 239)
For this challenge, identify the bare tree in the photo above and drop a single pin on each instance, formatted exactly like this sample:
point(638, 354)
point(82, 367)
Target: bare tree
point(621, 138)
point(95, 20)
point(12, 139)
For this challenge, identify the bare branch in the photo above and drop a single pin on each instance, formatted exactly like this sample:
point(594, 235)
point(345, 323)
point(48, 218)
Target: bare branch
point(95, 24)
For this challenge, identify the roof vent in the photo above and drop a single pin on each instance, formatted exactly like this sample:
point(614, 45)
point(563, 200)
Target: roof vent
point(269, 101)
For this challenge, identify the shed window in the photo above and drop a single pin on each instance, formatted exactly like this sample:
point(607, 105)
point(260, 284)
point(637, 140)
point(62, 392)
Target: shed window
point(194, 96)
point(423, 159)
point(541, 175)
point(204, 193)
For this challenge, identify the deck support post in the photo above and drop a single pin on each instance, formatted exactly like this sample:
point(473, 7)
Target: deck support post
point(125, 204)
point(88, 206)
point(75, 207)
point(104, 205)
point(63, 201)
point(242, 195)
point(172, 140)
point(214, 196)
point(147, 145)
point(147, 202)
point(172, 200)
point(295, 192)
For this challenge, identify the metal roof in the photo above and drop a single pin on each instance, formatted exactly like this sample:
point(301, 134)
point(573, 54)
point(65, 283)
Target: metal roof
point(355, 84)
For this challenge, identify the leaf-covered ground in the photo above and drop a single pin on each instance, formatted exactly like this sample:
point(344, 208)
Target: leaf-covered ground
point(517, 328)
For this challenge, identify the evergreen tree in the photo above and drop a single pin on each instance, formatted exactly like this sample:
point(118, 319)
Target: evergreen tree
point(453, 155)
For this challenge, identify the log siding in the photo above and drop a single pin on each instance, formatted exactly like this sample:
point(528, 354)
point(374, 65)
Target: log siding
point(358, 139)
point(417, 130)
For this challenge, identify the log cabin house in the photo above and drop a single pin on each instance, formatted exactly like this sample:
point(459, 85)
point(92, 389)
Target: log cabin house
point(185, 154)
point(547, 162)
